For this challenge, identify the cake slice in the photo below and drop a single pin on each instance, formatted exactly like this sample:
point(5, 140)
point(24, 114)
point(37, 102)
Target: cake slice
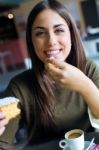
point(9, 106)
point(51, 65)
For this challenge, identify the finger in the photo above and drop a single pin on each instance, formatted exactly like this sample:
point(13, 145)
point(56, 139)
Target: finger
point(2, 115)
point(55, 76)
point(3, 122)
point(54, 71)
point(2, 130)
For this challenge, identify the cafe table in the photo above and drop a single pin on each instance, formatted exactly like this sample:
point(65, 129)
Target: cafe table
point(54, 144)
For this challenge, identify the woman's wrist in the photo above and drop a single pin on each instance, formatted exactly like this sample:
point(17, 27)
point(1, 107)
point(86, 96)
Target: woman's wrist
point(87, 87)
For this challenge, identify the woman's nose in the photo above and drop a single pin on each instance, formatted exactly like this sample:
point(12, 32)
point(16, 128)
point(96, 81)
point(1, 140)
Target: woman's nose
point(52, 39)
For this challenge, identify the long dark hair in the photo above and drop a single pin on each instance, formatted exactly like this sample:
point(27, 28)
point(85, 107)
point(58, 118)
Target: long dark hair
point(43, 101)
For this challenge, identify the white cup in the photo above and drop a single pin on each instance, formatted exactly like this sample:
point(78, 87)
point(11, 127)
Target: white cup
point(74, 140)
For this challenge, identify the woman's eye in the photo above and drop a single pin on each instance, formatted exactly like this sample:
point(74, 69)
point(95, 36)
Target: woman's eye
point(59, 31)
point(40, 33)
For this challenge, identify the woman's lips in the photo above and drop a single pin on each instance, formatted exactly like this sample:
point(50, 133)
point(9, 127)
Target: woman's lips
point(52, 53)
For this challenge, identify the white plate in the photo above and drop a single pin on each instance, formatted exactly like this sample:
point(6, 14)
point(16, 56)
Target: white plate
point(87, 144)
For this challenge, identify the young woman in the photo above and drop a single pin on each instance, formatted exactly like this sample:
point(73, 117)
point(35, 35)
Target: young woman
point(56, 93)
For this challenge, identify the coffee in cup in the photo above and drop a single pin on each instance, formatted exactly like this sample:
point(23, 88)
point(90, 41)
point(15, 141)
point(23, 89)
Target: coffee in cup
point(74, 140)
point(74, 135)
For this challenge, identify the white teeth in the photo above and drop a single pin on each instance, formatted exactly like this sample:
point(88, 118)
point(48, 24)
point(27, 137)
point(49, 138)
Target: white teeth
point(52, 52)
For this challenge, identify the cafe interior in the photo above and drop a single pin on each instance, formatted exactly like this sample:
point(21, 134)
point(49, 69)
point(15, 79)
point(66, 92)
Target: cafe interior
point(14, 57)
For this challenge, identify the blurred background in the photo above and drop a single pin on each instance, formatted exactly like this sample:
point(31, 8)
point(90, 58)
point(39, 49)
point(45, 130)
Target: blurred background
point(13, 17)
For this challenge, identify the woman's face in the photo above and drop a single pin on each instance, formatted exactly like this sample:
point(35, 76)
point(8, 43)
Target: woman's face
point(51, 36)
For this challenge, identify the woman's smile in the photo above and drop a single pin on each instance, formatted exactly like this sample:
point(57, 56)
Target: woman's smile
point(52, 53)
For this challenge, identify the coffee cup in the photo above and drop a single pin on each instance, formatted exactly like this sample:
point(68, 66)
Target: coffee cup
point(74, 140)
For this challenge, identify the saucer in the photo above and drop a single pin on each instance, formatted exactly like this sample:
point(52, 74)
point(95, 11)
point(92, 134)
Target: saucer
point(87, 144)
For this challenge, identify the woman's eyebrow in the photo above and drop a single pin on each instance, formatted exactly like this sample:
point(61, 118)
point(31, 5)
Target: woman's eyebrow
point(58, 25)
point(43, 28)
point(38, 27)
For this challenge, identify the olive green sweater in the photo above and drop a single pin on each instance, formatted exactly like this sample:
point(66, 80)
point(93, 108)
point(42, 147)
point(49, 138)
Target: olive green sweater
point(70, 109)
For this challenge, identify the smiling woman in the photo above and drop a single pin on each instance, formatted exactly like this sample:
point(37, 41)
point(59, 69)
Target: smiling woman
point(54, 99)
point(53, 36)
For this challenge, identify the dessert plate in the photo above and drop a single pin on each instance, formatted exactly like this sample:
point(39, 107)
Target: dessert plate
point(87, 144)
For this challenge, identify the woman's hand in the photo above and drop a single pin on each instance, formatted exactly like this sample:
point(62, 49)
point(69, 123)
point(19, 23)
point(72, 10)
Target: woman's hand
point(72, 78)
point(3, 123)
point(65, 75)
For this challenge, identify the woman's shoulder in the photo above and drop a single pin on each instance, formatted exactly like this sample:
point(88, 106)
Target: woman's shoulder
point(20, 86)
point(90, 61)
point(92, 69)
point(24, 76)
point(90, 64)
